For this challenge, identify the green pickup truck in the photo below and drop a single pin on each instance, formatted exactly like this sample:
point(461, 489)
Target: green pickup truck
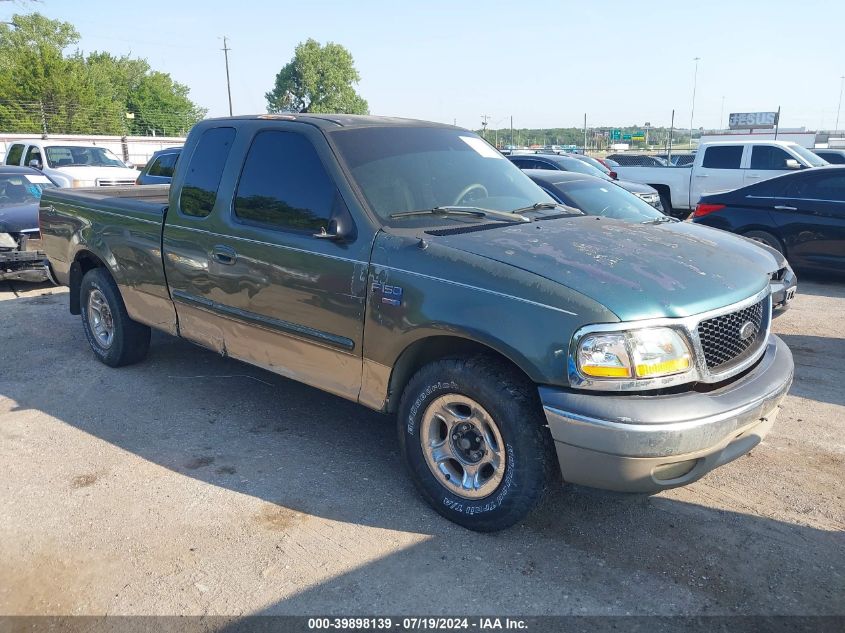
point(410, 267)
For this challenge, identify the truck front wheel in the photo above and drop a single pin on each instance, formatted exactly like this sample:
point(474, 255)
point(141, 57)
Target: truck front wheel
point(115, 338)
point(475, 443)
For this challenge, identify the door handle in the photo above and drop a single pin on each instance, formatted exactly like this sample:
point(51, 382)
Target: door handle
point(224, 255)
point(783, 207)
point(701, 175)
point(753, 176)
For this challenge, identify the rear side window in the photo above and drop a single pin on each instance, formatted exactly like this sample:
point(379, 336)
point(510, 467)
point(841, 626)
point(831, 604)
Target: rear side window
point(163, 166)
point(768, 158)
point(199, 192)
point(722, 157)
point(829, 187)
point(284, 184)
point(13, 157)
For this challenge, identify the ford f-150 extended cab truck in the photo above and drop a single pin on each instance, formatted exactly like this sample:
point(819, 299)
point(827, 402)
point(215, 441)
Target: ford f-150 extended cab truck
point(720, 166)
point(410, 267)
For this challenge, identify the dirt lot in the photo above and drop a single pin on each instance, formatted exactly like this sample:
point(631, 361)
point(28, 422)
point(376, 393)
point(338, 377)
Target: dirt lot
point(192, 484)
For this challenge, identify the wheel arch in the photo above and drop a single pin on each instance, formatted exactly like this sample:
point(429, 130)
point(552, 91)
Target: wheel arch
point(436, 347)
point(83, 261)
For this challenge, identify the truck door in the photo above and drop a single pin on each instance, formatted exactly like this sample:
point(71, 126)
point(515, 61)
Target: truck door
point(255, 279)
point(719, 171)
point(767, 161)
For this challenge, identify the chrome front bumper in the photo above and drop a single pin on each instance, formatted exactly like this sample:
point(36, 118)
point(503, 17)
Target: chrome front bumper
point(643, 443)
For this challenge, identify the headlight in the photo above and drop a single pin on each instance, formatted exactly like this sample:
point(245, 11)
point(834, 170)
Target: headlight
point(648, 353)
point(83, 183)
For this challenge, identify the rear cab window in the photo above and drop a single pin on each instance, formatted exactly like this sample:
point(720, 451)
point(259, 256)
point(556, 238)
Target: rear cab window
point(13, 156)
point(722, 157)
point(199, 191)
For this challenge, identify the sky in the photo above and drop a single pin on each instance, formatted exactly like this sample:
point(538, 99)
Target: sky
point(545, 63)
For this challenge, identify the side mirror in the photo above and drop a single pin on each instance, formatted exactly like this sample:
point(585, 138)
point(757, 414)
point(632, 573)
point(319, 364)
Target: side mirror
point(613, 175)
point(35, 164)
point(791, 163)
point(332, 234)
point(341, 227)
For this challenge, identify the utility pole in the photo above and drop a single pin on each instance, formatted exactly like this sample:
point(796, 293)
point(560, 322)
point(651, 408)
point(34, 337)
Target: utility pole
point(511, 131)
point(722, 115)
point(777, 123)
point(484, 118)
point(839, 107)
point(585, 133)
point(692, 109)
point(671, 133)
point(226, 50)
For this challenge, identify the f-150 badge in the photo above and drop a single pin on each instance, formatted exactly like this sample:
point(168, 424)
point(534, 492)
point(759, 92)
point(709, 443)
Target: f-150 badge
point(391, 295)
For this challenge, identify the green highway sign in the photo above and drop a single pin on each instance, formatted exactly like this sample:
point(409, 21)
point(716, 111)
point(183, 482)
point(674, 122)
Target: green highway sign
point(615, 134)
point(626, 137)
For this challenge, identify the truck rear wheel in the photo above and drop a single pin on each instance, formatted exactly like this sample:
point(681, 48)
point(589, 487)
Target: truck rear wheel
point(115, 339)
point(474, 440)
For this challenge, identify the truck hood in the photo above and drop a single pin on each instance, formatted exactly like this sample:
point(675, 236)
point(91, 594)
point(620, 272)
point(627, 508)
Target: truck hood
point(92, 173)
point(637, 271)
point(17, 218)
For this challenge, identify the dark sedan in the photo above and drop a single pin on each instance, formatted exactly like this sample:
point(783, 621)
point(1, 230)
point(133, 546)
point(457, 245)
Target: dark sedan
point(20, 191)
point(801, 214)
point(594, 196)
point(833, 156)
point(159, 169)
point(568, 163)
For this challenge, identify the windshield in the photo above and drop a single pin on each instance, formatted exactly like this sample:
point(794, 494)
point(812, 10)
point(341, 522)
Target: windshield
point(73, 156)
point(408, 169)
point(812, 159)
point(609, 200)
point(22, 189)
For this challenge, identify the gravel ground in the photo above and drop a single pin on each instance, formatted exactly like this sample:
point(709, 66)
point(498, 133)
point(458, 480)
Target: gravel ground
point(192, 484)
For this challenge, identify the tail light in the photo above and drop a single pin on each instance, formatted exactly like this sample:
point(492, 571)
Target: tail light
point(703, 209)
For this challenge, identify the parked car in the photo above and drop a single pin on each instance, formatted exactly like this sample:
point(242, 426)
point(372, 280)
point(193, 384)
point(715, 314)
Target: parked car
point(802, 215)
point(569, 163)
point(832, 156)
point(677, 160)
point(721, 166)
point(607, 171)
point(20, 257)
point(593, 196)
point(641, 160)
point(72, 164)
point(410, 267)
point(159, 169)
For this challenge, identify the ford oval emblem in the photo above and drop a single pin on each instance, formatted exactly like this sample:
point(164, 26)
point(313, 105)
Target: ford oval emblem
point(747, 330)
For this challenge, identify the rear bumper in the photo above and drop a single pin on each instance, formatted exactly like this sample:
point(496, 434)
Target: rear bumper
point(23, 266)
point(637, 443)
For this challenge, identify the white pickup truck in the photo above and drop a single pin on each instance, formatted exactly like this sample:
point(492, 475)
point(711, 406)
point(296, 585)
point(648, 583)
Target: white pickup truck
point(72, 164)
point(721, 166)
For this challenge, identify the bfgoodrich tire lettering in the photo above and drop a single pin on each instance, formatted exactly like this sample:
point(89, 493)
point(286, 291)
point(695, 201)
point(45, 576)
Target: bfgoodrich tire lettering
point(504, 398)
point(114, 338)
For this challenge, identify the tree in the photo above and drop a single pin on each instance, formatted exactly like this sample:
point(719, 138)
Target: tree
point(44, 86)
point(317, 79)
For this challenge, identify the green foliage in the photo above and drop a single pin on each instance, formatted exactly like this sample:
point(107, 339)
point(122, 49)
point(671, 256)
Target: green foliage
point(42, 84)
point(317, 79)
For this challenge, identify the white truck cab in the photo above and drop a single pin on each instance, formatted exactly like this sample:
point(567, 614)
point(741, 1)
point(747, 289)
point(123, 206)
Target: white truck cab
point(722, 166)
point(72, 164)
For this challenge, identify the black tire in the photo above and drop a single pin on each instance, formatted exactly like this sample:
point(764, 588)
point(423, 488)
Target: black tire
point(666, 201)
point(512, 402)
point(766, 238)
point(131, 340)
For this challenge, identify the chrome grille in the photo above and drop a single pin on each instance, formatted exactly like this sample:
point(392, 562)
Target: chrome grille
point(720, 337)
point(102, 182)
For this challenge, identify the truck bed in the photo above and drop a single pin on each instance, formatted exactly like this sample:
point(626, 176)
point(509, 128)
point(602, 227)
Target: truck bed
point(141, 201)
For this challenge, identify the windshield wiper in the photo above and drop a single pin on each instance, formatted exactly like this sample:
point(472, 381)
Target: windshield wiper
point(661, 220)
point(477, 212)
point(549, 205)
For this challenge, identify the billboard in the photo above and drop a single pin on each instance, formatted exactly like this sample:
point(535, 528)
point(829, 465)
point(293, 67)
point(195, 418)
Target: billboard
point(749, 120)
